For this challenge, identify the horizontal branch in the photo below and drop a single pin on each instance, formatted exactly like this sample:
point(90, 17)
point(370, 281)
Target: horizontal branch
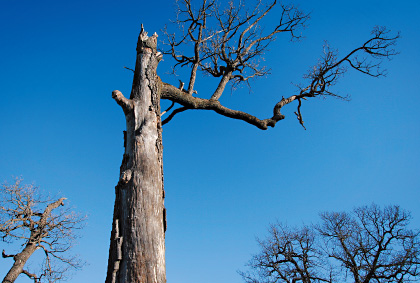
point(4, 255)
point(188, 101)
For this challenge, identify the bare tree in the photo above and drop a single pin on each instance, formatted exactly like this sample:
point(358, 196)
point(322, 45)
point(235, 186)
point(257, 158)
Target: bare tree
point(37, 222)
point(225, 41)
point(289, 255)
point(368, 245)
point(373, 244)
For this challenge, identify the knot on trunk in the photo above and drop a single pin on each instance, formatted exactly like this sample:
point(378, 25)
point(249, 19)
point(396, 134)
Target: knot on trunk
point(126, 175)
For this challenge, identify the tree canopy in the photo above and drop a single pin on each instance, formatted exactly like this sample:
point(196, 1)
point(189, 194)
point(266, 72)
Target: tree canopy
point(369, 244)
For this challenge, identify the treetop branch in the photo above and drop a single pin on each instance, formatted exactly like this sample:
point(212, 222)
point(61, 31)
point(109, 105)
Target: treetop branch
point(229, 44)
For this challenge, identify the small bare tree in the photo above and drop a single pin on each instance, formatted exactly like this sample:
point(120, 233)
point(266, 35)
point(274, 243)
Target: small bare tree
point(368, 245)
point(37, 223)
point(288, 255)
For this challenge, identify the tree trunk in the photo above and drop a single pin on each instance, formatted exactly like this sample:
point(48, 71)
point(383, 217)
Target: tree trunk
point(20, 261)
point(137, 250)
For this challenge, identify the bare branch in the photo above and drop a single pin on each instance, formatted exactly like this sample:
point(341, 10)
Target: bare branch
point(230, 48)
point(4, 255)
point(125, 103)
point(298, 114)
point(329, 68)
point(176, 111)
point(189, 102)
point(226, 41)
point(169, 108)
point(128, 69)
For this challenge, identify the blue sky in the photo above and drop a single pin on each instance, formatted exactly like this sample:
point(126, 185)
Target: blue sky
point(225, 180)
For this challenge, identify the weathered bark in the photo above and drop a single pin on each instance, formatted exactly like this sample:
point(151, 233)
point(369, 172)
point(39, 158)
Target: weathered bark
point(137, 250)
point(20, 261)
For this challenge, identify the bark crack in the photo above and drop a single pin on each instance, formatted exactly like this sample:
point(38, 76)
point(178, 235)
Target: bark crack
point(155, 86)
point(118, 256)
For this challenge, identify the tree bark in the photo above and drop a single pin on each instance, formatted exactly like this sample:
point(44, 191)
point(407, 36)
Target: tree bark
point(20, 261)
point(137, 249)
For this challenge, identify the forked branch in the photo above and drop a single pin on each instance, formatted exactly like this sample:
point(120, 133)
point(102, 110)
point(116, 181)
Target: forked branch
point(228, 42)
point(231, 51)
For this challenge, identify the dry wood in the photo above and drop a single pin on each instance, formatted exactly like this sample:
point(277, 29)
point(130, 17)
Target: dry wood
point(137, 250)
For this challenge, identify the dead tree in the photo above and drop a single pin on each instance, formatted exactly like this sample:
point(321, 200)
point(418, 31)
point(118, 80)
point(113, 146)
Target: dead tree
point(227, 42)
point(368, 245)
point(37, 223)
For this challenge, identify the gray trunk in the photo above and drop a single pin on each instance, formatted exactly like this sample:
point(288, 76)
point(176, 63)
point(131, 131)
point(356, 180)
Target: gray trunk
point(137, 250)
point(20, 261)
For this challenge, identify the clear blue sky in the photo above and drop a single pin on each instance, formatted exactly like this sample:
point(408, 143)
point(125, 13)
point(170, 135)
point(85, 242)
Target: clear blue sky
point(225, 180)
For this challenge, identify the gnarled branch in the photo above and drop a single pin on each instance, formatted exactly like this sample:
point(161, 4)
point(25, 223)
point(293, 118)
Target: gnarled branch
point(231, 48)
